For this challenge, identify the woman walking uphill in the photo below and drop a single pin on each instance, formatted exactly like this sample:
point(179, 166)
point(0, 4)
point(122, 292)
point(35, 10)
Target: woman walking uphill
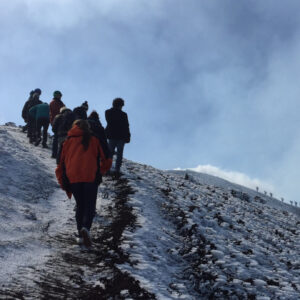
point(79, 172)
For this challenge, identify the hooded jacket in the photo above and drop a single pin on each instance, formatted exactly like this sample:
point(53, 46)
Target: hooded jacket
point(79, 165)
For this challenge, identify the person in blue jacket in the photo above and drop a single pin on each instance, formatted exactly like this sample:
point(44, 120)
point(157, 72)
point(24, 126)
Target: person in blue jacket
point(41, 115)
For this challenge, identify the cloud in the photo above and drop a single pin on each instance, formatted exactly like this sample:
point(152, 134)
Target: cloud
point(235, 177)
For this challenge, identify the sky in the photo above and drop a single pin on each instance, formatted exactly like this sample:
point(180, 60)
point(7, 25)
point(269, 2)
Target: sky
point(205, 83)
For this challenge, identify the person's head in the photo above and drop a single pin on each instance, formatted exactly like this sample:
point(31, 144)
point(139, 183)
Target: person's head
point(31, 93)
point(57, 95)
point(94, 115)
point(84, 126)
point(37, 91)
point(85, 105)
point(118, 103)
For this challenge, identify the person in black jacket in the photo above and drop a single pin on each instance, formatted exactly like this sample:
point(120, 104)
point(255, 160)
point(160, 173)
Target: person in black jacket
point(25, 112)
point(80, 111)
point(117, 130)
point(99, 132)
point(61, 125)
point(35, 100)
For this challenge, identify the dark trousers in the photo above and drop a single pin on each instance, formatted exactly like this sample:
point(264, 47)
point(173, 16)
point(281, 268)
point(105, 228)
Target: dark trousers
point(42, 122)
point(85, 194)
point(54, 145)
point(119, 144)
point(31, 129)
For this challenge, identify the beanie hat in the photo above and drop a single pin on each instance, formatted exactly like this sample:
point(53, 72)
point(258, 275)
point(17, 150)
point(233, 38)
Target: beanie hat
point(37, 91)
point(57, 94)
point(85, 105)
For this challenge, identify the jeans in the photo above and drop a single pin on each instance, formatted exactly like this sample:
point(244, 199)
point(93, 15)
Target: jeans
point(54, 145)
point(85, 194)
point(119, 144)
point(42, 122)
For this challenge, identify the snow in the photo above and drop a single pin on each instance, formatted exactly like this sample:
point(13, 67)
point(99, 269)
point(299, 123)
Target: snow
point(192, 238)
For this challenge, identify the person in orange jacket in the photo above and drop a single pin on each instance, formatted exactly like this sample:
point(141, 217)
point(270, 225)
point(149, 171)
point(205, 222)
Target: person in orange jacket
point(79, 172)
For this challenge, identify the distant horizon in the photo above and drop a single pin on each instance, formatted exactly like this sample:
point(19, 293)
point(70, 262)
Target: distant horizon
point(204, 83)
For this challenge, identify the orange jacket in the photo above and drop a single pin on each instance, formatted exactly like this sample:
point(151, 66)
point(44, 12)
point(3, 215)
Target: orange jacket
point(77, 164)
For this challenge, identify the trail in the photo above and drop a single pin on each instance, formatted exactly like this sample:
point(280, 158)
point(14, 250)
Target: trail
point(75, 274)
point(68, 272)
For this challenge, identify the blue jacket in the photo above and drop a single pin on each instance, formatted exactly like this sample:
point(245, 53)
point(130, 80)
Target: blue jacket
point(40, 111)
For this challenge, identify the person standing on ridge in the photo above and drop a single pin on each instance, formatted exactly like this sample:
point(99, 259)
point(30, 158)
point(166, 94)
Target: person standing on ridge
point(35, 100)
point(40, 113)
point(25, 112)
point(79, 172)
point(55, 105)
point(81, 111)
point(117, 130)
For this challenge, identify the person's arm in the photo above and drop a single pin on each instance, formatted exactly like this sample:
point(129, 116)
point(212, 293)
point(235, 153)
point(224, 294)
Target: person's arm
point(105, 162)
point(61, 176)
point(128, 135)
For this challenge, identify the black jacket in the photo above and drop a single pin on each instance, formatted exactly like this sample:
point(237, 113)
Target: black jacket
point(98, 131)
point(28, 104)
point(63, 123)
point(117, 125)
point(80, 113)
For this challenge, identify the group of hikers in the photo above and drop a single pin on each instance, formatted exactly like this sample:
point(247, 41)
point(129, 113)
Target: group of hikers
point(83, 149)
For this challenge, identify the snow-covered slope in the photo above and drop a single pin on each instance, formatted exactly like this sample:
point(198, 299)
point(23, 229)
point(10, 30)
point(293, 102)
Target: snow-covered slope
point(157, 235)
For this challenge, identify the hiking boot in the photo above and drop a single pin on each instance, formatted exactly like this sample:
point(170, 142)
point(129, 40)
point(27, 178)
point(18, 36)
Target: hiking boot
point(79, 240)
point(87, 241)
point(37, 142)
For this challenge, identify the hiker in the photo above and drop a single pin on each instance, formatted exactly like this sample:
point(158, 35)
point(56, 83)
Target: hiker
point(61, 125)
point(40, 113)
point(117, 130)
point(55, 105)
point(81, 111)
point(99, 132)
point(25, 112)
point(79, 172)
point(35, 100)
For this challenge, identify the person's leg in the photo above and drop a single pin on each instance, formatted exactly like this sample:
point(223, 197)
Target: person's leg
point(31, 129)
point(112, 145)
point(54, 146)
point(45, 131)
point(120, 149)
point(39, 124)
point(78, 193)
point(90, 198)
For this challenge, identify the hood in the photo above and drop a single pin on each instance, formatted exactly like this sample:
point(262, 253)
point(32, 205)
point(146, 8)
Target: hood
point(75, 131)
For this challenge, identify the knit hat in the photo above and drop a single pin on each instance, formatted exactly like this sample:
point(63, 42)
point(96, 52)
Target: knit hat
point(57, 94)
point(38, 91)
point(85, 105)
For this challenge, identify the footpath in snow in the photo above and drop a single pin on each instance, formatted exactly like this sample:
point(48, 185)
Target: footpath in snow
point(157, 235)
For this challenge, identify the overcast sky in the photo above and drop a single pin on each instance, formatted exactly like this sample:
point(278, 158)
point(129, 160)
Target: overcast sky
point(204, 82)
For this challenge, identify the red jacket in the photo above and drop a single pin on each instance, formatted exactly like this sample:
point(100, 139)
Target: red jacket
point(55, 106)
point(80, 165)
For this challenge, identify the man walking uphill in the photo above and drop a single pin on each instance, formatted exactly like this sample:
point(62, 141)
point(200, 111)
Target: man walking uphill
point(55, 105)
point(117, 130)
